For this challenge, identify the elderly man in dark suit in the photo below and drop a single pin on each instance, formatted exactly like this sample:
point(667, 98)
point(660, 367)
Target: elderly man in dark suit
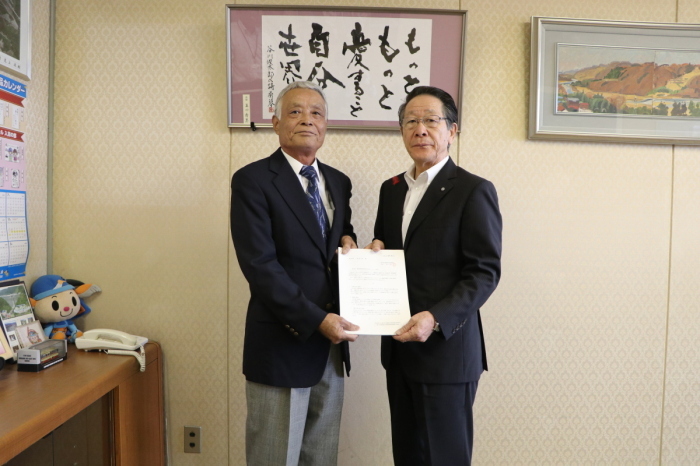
point(289, 214)
point(448, 223)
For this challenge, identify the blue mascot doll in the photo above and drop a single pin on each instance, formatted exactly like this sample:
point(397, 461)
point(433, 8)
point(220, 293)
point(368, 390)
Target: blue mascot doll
point(58, 302)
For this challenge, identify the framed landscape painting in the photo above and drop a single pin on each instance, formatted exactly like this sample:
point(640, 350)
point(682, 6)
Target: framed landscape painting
point(615, 81)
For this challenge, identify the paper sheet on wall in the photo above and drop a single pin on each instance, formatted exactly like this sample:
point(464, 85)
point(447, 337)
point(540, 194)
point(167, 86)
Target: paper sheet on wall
point(373, 290)
point(365, 64)
point(14, 234)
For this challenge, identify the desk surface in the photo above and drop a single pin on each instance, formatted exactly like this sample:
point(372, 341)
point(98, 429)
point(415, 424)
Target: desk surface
point(33, 404)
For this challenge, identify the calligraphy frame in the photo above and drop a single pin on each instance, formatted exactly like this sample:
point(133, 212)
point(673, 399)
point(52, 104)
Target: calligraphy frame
point(17, 59)
point(628, 122)
point(245, 61)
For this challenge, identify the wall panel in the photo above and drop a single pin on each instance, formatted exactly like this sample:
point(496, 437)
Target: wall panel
point(681, 433)
point(36, 139)
point(140, 190)
point(681, 428)
point(576, 330)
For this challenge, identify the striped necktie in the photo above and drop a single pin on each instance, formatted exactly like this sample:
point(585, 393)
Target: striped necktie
point(314, 197)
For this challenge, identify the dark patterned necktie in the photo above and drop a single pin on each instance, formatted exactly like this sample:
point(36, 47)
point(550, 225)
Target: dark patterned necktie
point(314, 197)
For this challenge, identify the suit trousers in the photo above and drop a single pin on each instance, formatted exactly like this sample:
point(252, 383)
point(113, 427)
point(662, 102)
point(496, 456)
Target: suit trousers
point(296, 426)
point(431, 424)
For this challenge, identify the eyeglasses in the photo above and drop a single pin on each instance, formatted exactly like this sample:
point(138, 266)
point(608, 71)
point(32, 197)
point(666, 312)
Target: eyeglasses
point(428, 122)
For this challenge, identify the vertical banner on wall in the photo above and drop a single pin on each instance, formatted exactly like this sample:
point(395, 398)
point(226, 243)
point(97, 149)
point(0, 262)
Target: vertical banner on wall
point(14, 234)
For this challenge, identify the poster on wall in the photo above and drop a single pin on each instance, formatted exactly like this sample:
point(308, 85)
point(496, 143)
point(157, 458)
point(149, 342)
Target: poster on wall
point(14, 234)
point(365, 60)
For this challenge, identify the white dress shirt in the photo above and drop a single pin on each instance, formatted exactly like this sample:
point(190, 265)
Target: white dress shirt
point(416, 191)
point(325, 198)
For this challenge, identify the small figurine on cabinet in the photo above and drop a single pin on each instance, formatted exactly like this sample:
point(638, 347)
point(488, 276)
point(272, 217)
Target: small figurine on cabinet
point(58, 302)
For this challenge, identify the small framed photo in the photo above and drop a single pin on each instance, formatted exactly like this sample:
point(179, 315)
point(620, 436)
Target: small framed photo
point(15, 309)
point(615, 81)
point(30, 334)
point(6, 351)
point(16, 38)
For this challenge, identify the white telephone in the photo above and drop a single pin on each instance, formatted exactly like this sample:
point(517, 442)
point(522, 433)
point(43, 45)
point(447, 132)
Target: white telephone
point(114, 342)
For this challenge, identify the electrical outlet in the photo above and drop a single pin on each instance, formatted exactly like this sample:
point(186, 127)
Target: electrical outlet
point(193, 439)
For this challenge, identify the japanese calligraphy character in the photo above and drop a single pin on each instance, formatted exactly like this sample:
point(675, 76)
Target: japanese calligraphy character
point(288, 70)
point(411, 39)
point(326, 77)
point(359, 43)
point(357, 58)
point(386, 95)
point(355, 109)
point(289, 47)
point(358, 77)
point(410, 81)
point(358, 47)
point(385, 47)
point(318, 37)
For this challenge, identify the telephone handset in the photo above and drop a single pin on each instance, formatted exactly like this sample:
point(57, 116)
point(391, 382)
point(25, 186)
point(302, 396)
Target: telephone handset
point(113, 342)
point(103, 338)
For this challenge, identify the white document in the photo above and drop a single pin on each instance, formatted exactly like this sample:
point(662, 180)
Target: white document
point(373, 291)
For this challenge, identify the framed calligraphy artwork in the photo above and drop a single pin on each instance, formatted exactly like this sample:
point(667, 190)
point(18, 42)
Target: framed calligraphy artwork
point(16, 37)
point(365, 60)
point(615, 81)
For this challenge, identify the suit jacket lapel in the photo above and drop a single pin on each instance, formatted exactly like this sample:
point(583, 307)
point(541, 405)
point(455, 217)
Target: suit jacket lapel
point(439, 187)
point(287, 183)
point(336, 195)
point(394, 212)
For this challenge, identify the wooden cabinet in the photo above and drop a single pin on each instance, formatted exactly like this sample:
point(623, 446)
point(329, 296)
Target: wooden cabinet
point(128, 403)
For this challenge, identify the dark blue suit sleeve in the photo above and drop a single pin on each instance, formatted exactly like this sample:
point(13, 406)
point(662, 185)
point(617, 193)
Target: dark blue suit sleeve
point(480, 247)
point(251, 229)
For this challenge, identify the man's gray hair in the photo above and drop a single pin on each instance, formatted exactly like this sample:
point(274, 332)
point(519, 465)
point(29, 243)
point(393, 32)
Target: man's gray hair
point(299, 85)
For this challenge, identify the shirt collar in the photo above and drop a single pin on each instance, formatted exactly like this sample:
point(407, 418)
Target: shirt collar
point(297, 165)
point(427, 175)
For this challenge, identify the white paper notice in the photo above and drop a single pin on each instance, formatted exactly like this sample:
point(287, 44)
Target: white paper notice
point(373, 291)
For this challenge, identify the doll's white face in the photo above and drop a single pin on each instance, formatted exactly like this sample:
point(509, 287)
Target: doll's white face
point(55, 308)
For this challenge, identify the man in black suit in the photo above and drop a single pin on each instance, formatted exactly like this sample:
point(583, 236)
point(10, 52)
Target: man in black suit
point(289, 214)
point(448, 223)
